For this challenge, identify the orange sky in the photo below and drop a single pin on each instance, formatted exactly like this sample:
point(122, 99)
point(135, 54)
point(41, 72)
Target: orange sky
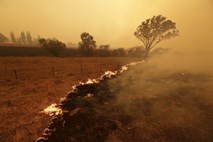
point(109, 21)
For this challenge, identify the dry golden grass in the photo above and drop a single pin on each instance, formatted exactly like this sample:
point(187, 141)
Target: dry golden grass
point(22, 100)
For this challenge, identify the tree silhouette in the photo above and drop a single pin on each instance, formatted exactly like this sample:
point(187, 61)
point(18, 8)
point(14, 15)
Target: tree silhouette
point(23, 37)
point(120, 52)
point(87, 45)
point(29, 38)
point(54, 46)
point(18, 40)
point(137, 51)
point(13, 38)
point(154, 30)
point(3, 38)
point(104, 50)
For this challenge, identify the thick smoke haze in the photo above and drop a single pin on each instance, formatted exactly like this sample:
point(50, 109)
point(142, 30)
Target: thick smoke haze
point(110, 22)
point(194, 61)
point(162, 100)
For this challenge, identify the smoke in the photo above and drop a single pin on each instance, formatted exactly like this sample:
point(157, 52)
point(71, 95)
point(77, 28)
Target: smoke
point(172, 94)
point(193, 61)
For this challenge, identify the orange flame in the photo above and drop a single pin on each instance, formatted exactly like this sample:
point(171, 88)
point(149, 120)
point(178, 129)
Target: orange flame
point(52, 110)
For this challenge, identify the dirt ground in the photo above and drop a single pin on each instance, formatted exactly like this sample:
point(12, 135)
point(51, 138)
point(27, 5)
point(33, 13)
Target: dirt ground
point(29, 84)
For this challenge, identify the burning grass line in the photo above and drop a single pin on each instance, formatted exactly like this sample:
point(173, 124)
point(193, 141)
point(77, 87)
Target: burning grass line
point(86, 89)
point(52, 110)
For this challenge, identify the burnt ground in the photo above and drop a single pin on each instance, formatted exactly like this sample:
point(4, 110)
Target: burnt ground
point(139, 105)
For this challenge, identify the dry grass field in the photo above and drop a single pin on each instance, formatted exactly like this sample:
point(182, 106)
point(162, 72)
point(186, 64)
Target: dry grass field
point(40, 82)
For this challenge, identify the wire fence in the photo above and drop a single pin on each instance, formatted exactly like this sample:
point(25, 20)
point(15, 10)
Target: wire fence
point(28, 73)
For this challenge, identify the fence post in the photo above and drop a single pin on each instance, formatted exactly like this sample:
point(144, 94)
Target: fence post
point(16, 76)
point(53, 71)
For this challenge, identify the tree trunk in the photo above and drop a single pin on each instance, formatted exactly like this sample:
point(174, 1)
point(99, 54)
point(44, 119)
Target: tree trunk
point(147, 52)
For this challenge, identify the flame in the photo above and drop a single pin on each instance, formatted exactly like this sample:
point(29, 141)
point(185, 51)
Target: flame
point(62, 99)
point(52, 110)
point(91, 81)
point(110, 73)
point(135, 63)
point(124, 68)
point(89, 95)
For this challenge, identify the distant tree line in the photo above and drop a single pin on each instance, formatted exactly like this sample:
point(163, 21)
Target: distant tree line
point(151, 32)
point(23, 38)
point(86, 47)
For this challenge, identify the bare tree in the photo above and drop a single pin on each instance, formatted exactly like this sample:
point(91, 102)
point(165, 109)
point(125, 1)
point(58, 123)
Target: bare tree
point(154, 30)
